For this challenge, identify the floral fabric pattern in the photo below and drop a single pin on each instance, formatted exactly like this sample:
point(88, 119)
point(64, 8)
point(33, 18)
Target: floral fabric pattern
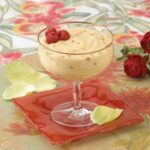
point(20, 22)
point(42, 13)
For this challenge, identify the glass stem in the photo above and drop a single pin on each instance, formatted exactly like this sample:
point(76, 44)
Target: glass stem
point(77, 94)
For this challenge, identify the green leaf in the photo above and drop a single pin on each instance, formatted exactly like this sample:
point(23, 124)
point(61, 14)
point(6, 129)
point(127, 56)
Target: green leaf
point(140, 25)
point(120, 58)
point(5, 8)
point(5, 41)
point(100, 18)
point(116, 28)
point(15, 4)
point(104, 114)
point(120, 8)
point(129, 4)
point(76, 15)
point(1, 13)
point(72, 2)
point(17, 71)
point(17, 90)
point(126, 50)
point(136, 50)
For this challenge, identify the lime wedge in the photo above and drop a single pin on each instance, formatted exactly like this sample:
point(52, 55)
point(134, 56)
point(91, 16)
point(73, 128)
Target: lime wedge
point(17, 71)
point(32, 78)
point(45, 83)
point(25, 80)
point(104, 114)
point(17, 90)
point(41, 81)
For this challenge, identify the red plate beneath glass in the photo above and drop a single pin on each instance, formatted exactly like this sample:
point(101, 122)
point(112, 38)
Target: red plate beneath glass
point(37, 108)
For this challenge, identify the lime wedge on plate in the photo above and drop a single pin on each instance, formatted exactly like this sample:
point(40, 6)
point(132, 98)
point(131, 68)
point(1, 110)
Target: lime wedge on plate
point(104, 114)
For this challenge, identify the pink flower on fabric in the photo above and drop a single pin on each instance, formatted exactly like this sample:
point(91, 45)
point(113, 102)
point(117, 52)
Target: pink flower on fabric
point(139, 36)
point(143, 11)
point(17, 128)
point(48, 12)
point(8, 57)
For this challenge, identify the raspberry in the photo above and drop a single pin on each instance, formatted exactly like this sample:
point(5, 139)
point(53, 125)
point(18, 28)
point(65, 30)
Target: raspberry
point(51, 38)
point(52, 30)
point(63, 35)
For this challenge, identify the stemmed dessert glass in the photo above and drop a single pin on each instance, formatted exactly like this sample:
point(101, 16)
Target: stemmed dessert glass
point(76, 67)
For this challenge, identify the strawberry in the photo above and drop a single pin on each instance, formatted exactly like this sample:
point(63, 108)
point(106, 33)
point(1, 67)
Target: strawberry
point(63, 35)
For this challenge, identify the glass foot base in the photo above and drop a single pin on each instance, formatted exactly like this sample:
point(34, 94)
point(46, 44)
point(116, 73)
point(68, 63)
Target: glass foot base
point(65, 114)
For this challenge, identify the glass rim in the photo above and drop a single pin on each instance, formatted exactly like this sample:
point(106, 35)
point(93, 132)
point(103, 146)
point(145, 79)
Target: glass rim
point(109, 44)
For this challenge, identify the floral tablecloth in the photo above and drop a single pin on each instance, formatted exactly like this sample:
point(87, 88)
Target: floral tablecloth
point(20, 21)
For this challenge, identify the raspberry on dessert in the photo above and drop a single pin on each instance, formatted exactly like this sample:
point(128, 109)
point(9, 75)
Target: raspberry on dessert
point(51, 38)
point(63, 35)
point(50, 30)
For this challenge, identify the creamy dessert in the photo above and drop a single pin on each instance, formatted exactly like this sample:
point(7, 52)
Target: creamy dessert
point(84, 55)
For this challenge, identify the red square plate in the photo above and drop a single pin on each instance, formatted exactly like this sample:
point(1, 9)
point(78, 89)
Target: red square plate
point(37, 108)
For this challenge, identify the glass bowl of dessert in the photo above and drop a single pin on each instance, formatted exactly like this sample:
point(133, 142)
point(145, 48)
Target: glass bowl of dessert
point(75, 52)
